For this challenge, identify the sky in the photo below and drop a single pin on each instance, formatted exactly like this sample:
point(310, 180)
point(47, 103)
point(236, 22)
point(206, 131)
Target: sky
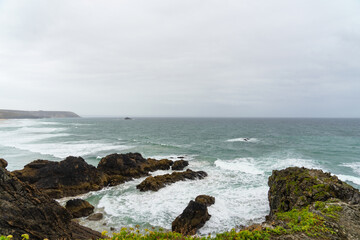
point(182, 58)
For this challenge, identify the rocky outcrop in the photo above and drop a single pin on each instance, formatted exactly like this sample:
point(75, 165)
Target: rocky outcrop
point(24, 209)
point(309, 204)
point(205, 199)
point(158, 182)
point(298, 187)
point(70, 177)
point(131, 165)
point(73, 176)
point(79, 208)
point(192, 218)
point(179, 165)
point(3, 163)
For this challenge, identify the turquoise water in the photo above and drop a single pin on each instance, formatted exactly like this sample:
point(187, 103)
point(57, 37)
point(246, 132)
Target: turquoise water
point(238, 169)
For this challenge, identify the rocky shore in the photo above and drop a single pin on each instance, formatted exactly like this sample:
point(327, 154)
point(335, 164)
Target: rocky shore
point(304, 203)
point(73, 176)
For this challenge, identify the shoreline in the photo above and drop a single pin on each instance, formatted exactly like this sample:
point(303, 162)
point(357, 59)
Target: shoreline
point(317, 187)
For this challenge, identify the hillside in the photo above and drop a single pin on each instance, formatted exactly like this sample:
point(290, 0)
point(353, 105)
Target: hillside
point(18, 114)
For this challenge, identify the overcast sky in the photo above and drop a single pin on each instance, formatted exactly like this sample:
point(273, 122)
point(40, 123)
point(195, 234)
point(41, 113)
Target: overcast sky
point(200, 58)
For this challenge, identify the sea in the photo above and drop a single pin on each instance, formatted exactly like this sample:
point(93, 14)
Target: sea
point(239, 154)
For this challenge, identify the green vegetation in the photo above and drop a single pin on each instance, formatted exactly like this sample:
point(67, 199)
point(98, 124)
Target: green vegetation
point(302, 220)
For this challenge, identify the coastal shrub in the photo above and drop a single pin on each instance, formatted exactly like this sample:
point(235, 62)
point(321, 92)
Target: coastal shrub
point(302, 220)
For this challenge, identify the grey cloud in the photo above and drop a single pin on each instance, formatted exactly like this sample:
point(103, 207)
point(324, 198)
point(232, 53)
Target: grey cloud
point(181, 58)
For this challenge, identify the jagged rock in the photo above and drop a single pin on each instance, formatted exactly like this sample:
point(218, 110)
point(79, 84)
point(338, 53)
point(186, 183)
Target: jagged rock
point(157, 182)
point(25, 209)
point(179, 165)
point(131, 165)
point(310, 204)
point(95, 217)
point(3, 163)
point(70, 177)
point(205, 199)
point(79, 208)
point(299, 187)
point(191, 219)
point(121, 164)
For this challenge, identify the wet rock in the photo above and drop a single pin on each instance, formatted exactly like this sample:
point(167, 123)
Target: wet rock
point(79, 208)
point(298, 187)
point(95, 217)
point(179, 165)
point(3, 163)
point(126, 165)
point(25, 209)
point(70, 177)
point(158, 182)
point(191, 219)
point(152, 165)
point(131, 165)
point(205, 199)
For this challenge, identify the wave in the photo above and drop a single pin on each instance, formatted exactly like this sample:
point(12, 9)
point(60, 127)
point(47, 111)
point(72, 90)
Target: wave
point(355, 166)
point(246, 165)
point(353, 179)
point(252, 140)
point(62, 150)
point(263, 165)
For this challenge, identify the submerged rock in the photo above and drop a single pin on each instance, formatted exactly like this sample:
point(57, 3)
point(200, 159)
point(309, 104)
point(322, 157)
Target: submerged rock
point(70, 177)
point(157, 182)
point(79, 208)
point(26, 210)
point(179, 165)
point(191, 219)
point(95, 217)
point(205, 199)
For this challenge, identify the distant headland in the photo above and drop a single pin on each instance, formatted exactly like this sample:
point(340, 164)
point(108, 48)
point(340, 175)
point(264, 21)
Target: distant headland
point(19, 114)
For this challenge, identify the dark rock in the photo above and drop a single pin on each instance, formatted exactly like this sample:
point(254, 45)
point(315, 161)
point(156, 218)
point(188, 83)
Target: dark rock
point(192, 218)
point(124, 167)
point(73, 176)
point(179, 165)
point(70, 177)
point(205, 199)
point(79, 208)
point(95, 217)
point(157, 182)
point(298, 187)
point(25, 209)
point(3, 163)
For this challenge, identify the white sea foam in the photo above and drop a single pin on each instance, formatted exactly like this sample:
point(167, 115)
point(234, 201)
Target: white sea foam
point(355, 166)
point(240, 198)
point(252, 140)
point(246, 165)
point(34, 137)
point(353, 179)
point(62, 150)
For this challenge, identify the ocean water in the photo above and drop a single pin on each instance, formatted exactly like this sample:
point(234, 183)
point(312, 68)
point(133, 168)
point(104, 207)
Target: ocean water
point(238, 155)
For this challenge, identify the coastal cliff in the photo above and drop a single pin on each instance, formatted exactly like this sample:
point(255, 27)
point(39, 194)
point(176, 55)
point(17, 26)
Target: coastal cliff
point(19, 114)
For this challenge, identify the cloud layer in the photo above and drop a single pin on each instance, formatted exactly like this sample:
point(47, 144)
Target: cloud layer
point(231, 58)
